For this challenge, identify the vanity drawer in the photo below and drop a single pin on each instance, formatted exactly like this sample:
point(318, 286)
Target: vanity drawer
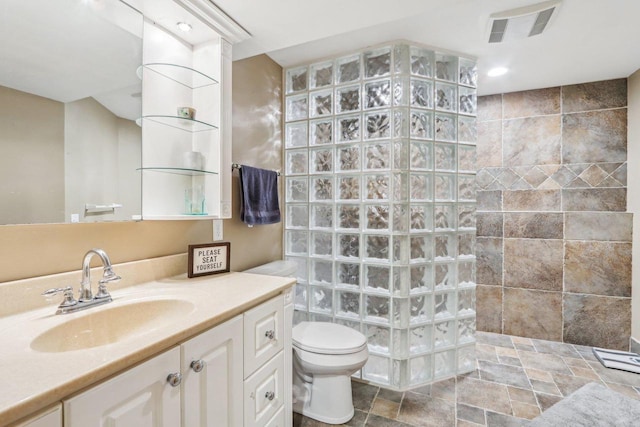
point(263, 333)
point(277, 420)
point(264, 393)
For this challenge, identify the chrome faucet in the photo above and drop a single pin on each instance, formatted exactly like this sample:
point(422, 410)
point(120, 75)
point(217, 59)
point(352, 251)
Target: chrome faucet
point(107, 276)
point(86, 298)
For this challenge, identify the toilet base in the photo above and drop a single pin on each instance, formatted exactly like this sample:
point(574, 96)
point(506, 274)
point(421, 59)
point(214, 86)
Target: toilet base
point(327, 398)
point(325, 420)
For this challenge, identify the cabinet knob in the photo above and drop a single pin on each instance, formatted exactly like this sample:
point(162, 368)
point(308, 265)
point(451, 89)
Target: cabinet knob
point(197, 365)
point(271, 334)
point(174, 379)
point(270, 395)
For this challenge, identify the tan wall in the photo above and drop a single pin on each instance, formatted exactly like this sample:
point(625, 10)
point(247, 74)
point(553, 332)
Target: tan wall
point(257, 141)
point(32, 160)
point(35, 250)
point(56, 155)
point(633, 193)
point(101, 151)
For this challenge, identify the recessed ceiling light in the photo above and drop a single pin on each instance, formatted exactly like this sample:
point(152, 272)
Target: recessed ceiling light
point(497, 71)
point(183, 26)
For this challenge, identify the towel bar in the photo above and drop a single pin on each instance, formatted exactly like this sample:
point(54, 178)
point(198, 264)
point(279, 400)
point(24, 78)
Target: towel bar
point(94, 208)
point(238, 166)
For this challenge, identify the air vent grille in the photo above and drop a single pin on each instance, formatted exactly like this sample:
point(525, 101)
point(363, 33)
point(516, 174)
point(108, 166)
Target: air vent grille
point(541, 21)
point(497, 30)
point(521, 23)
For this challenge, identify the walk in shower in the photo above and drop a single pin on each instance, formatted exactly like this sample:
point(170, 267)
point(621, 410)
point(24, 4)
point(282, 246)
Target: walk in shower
point(380, 205)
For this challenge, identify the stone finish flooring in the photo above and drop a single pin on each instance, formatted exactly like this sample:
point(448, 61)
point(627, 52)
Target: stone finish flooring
point(516, 379)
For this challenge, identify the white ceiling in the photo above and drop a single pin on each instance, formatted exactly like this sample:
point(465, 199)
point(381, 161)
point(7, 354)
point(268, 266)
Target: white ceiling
point(588, 40)
point(68, 50)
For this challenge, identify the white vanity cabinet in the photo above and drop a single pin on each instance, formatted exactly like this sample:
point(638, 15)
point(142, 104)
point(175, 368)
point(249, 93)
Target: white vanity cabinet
point(231, 375)
point(264, 341)
point(51, 417)
point(288, 359)
point(268, 363)
point(212, 377)
point(140, 397)
point(263, 334)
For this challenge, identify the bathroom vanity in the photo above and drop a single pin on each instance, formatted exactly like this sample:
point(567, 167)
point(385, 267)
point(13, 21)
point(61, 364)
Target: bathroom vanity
point(171, 352)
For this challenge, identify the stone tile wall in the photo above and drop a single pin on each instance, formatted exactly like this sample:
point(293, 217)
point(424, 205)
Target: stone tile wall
point(553, 237)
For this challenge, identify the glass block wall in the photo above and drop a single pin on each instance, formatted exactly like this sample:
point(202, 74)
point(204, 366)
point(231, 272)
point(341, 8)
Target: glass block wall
point(380, 205)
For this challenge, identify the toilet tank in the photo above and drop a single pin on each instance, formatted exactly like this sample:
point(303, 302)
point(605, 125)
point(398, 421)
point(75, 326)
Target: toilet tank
point(280, 268)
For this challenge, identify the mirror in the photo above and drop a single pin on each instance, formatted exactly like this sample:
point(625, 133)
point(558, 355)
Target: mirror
point(69, 98)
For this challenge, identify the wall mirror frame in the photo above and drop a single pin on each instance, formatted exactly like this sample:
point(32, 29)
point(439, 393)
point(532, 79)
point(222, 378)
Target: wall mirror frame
point(69, 98)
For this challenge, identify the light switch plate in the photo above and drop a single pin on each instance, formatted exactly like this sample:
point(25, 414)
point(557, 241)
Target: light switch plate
point(217, 230)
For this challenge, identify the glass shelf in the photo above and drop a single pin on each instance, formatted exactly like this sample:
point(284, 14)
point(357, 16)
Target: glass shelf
point(179, 171)
point(185, 76)
point(182, 123)
point(181, 217)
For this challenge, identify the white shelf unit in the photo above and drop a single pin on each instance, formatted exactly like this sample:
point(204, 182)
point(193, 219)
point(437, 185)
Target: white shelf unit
point(178, 74)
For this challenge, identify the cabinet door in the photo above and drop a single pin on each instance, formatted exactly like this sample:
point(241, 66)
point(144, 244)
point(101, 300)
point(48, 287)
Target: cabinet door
point(51, 417)
point(212, 397)
point(264, 393)
point(263, 333)
point(140, 397)
point(288, 357)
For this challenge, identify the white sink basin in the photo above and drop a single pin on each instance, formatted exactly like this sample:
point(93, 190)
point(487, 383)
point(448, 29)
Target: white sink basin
point(110, 324)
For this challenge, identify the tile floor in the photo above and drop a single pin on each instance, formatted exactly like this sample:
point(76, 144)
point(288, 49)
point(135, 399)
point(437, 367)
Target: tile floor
point(516, 379)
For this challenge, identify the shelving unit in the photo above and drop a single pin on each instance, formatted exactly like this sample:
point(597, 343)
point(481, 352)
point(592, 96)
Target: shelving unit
point(186, 76)
point(182, 123)
point(178, 171)
point(177, 74)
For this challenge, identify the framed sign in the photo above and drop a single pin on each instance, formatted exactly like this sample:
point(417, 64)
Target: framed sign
point(211, 258)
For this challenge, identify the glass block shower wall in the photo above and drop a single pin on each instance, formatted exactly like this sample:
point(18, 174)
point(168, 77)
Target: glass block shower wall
point(380, 205)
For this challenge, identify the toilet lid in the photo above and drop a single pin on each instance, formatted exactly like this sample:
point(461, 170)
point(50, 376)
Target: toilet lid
point(327, 338)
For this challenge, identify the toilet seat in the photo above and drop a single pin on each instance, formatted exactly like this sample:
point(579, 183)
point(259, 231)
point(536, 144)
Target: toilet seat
point(327, 338)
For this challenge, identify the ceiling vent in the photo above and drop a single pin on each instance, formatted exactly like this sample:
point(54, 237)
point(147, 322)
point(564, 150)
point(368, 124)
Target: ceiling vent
point(522, 22)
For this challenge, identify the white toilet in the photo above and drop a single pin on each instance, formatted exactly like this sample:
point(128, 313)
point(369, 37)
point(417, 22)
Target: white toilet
point(325, 355)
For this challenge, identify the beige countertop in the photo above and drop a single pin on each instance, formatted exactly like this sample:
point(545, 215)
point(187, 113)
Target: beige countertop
point(34, 379)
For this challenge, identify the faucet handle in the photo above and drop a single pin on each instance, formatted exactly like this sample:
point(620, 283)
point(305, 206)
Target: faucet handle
point(108, 277)
point(102, 291)
point(68, 301)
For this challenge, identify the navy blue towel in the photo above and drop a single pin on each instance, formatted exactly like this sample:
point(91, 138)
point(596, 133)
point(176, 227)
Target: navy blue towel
point(259, 196)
